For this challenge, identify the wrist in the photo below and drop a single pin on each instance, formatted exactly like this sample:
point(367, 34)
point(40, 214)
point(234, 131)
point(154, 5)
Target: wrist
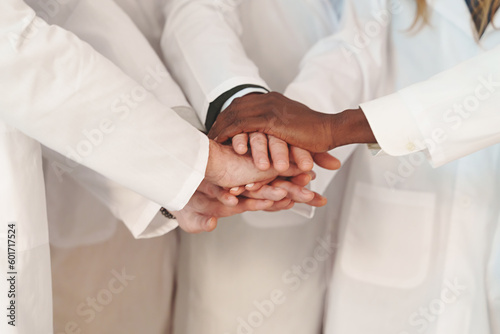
point(213, 172)
point(351, 127)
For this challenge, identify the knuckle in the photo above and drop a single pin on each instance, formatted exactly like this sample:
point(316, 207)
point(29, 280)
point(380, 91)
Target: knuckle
point(228, 116)
point(271, 118)
point(273, 95)
point(257, 140)
point(240, 138)
point(236, 121)
point(281, 144)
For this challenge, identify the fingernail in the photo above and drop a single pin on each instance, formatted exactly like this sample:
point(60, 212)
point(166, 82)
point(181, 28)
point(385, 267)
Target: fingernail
point(231, 200)
point(306, 165)
point(250, 185)
point(280, 194)
point(281, 162)
point(242, 147)
point(267, 203)
point(307, 162)
point(281, 191)
point(235, 189)
point(210, 224)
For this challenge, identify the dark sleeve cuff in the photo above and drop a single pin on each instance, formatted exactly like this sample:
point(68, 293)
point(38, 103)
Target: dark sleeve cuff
point(215, 107)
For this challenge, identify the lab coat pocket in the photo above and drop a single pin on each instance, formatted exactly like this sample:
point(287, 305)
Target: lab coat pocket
point(388, 236)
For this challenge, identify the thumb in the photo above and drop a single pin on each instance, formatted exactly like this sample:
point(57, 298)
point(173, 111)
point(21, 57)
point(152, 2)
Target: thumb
point(326, 161)
point(194, 222)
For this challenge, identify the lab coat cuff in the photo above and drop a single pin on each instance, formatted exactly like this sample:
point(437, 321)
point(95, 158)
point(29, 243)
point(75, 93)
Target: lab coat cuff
point(152, 223)
point(323, 179)
point(242, 93)
point(304, 210)
point(226, 86)
point(393, 125)
point(193, 181)
point(189, 115)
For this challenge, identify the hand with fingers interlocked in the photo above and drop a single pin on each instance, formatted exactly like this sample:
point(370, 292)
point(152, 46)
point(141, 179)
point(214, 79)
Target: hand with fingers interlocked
point(233, 184)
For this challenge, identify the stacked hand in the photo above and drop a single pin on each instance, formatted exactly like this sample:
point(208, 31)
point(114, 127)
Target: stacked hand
point(233, 184)
point(293, 122)
point(285, 138)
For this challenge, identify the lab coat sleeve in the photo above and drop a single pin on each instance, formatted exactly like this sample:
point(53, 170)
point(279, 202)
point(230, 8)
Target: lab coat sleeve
point(112, 33)
point(199, 33)
point(22, 203)
point(58, 90)
point(347, 68)
point(350, 66)
point(449, 116)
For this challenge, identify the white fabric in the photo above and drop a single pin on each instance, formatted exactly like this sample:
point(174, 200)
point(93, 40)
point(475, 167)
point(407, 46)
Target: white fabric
point(220, 26)
point(109, 31)
point(130, 281)
point(56, 87)
point(139, 115)
point(22, 202)
point(418, 246)
point(242, 93)
point(446, 133)
point(149, 18)
point(242, 279)
point(99, 246)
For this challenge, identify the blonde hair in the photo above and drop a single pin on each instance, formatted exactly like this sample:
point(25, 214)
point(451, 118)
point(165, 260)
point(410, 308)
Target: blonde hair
point(483, 11)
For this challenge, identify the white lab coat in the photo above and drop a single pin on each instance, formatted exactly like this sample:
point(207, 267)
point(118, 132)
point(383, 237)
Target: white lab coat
point(243, 38)
point(82, 226)
point(164, 173)
point(419, 247)
point(115, 101)
point(22, 202)
point(211, 47)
